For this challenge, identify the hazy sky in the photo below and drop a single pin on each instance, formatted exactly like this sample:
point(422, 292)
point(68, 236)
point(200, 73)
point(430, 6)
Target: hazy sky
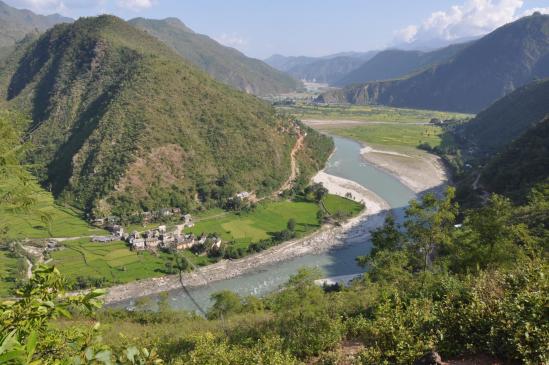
point(261, 28)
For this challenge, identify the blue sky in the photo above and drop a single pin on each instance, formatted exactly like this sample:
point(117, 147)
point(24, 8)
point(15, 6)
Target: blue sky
point(260, 28)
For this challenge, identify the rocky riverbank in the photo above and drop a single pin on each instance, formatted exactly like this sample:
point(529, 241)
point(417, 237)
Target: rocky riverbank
point(326, 238)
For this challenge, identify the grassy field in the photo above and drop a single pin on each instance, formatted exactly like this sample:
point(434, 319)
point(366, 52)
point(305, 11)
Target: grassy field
point(9, 270)
point(368, 113)
point(334, 203)
point(266, 219)
point(113, 261)
point(118, 264)
point(393, 134)
point(65, 222)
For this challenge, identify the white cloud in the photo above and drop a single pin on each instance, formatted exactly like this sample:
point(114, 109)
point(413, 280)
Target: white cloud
point(407, 34)
point(232, 40)
point(533, 10)
point(473, 18)
point(55, 6)
point(135, 5)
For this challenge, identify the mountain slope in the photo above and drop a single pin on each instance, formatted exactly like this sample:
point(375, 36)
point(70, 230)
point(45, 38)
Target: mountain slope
point(225, 64)
point(508, 118)
point(16, 23)
point(120, 122)
point(487, 70)
point(395, 63)
point(521, 165)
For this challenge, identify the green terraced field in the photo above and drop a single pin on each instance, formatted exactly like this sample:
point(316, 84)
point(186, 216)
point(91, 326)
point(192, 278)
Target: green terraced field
point(267, 218)
point(65, 222)
point(393, 134)
point(334, 203)
point(376, 113)
point(113, 261)
point(118, 264)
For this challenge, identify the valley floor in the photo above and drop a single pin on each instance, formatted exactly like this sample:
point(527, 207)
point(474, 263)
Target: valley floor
point(324, 239)
point(416, 169)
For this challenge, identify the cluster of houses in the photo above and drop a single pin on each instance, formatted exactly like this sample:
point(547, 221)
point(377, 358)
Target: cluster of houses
point(159, 238)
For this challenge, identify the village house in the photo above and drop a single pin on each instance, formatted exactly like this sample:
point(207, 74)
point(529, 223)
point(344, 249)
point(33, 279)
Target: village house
point(243, 195)
point(137, 244)
point(98, 222)
point(216, 243)
point(165, 212)
point(152, 243)
point(188, 220)
point(103, 239)
point(202, 240)
point(186, 241)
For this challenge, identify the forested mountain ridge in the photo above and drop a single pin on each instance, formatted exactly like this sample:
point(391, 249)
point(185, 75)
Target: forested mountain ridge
point(521, 165)
point(15, 24)
point(395, 63)
point(122, 122)
point(223, 63)
point(508, 118)
point(483, 72)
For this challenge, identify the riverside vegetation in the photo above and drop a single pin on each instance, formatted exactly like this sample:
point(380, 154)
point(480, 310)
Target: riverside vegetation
point(478, 287)
point(245, 229)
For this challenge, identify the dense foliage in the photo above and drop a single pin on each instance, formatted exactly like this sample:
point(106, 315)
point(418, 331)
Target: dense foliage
point(121, 123)
point(478, 75)
point(507, 119)
point(521, 165)
point(477, 288)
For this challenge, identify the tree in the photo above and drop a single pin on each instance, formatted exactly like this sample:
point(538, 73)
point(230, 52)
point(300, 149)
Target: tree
point(226, 302)
point(291, 224)
point(386, 238)
point(429, 225)
point(27, 338)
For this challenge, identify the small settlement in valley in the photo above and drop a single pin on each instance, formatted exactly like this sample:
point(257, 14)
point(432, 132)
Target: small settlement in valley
point(159, 238)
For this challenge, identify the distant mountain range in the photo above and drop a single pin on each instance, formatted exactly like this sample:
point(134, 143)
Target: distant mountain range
point(121, 123)
point(225, 64)
point(15, 24)
point(395, 63)
point(328, 69)
point(475, 77)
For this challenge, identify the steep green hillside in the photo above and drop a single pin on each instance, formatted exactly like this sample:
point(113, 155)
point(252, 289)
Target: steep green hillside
point(521, 165)
point(395, 63)
point(121, 122)
point(490, 68)
point(16, 23)
point(508, 118)
point(225, 64)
